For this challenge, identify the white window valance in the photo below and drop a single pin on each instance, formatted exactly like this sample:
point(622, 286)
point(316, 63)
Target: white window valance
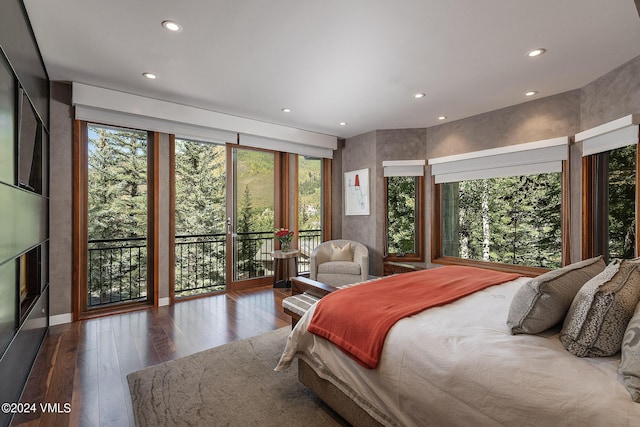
point(108, 106)
point(403, 167)
point(522, 159)
point(284, 146)
point(609, 136)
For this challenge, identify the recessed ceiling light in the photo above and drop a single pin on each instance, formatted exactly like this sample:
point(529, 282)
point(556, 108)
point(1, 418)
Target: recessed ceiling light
point(150, 76)
point(419, 95)
point(536, 52)
point(442, 118)
point(286, 110)
point(343, 123)
point(530, 93)
point(171, 26)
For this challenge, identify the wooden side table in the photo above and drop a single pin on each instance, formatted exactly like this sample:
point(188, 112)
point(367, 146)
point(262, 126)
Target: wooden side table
point(280, 255)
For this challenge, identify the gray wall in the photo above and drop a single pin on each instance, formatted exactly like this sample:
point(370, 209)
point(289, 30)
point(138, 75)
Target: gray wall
point(360, 153)
point(61, 200)
point(611, 96)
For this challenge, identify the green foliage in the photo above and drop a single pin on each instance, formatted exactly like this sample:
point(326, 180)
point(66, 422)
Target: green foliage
point(117, 181)
point(401, 214)
point(200, 188)
point(622, 199)
point(309, 193)
point(512, 220)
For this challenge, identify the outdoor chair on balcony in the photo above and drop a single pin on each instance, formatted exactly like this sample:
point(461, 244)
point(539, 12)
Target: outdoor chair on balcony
point(339, 262)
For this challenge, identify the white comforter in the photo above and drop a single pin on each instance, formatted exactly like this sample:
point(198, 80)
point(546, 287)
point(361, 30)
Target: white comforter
point(459, 365)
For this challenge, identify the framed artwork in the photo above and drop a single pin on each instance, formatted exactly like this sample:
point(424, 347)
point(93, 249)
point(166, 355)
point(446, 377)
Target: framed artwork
point(356, 192)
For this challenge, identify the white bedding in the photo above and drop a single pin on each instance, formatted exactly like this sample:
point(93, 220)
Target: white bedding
point(459, 365)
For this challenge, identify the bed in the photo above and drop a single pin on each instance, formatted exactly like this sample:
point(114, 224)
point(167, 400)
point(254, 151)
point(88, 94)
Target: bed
point(459, 364)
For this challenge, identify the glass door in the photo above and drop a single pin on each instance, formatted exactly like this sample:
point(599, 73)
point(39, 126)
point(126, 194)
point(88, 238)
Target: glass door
point(251, 213)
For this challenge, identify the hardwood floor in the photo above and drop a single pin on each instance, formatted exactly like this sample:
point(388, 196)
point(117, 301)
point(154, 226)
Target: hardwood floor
point(85, 363)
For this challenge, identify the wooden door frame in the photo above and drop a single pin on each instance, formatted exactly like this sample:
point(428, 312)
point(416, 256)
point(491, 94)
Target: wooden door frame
point(281, 189)
point(80, 223)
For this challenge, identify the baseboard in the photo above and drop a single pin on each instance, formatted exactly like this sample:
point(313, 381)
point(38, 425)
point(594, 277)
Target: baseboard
point(60, 319)
point(164, 301)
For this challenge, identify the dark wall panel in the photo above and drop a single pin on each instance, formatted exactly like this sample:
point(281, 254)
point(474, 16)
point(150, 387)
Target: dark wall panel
point(17, 361)
point(19, 44)
point(7, 122)
point(26, 216)
point(8, 306)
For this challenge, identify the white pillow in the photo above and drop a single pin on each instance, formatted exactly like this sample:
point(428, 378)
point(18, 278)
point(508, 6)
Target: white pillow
point(341, 254)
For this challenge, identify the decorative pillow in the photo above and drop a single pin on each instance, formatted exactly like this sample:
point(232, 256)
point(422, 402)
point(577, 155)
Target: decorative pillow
point(630, 362)
point(341, 254)
point(600, 312)
point(544, 301)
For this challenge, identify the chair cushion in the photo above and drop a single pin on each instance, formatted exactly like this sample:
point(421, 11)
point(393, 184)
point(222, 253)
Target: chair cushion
point(339, 267)
point(341, 253)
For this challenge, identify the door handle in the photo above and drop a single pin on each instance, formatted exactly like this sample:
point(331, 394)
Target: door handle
point(229, 225)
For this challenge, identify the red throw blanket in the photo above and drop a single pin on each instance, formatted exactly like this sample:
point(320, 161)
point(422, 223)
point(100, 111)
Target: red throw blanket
point(357, 319)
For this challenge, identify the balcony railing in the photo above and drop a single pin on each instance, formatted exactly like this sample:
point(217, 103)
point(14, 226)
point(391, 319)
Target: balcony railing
point(117, 271)
point(117, 268)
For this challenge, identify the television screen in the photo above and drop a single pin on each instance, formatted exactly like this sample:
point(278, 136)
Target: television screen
point(29, 146)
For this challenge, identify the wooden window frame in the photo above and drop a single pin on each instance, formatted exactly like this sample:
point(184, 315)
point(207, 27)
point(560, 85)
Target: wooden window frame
point(418, 256)
point(80, 222)
point(436, 230)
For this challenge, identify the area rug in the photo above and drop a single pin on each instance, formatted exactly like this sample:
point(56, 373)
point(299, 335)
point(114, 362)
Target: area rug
point(230, 385)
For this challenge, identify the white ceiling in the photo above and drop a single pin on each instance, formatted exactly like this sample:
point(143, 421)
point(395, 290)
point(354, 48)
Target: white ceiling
point(359, 61)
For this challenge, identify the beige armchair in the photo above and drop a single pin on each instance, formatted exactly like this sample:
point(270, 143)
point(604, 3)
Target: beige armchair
point(335, 264)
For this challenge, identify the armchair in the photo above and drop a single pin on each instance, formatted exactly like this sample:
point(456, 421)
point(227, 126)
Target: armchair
point(339, 262)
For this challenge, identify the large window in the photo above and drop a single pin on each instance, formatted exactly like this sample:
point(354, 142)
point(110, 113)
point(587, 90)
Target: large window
point(403, 196)
point(503, 207)
point(200, 217)
point(610, 203)
point(118, 269)
point(509, 220)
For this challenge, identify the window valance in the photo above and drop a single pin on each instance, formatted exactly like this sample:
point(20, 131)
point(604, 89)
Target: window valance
point(609, 136)
point(108, 106)
point(522, 159)
point(403, 167)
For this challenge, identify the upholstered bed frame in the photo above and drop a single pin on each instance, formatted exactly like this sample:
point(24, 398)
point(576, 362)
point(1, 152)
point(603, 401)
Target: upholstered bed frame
point(336, 399)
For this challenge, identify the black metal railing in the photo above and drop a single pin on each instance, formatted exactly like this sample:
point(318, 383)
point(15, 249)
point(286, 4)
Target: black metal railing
point(117, 268)
point(308, 240)
point(200, 264)
point(117, 271)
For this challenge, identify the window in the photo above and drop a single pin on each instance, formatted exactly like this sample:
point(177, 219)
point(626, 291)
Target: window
point(508, 220)
point(403, 193)
point(404, 200)
point(503, 206)
point(610, 189)
point(200, 217)
point(115, 226)
point(118, 242)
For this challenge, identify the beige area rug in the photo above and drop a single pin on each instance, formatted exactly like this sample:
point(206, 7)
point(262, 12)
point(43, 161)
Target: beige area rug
point(231, 385)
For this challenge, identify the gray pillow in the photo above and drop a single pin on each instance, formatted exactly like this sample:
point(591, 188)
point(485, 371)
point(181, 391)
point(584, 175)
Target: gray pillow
point(601, 311)
point(630, 361)
point(544, 301)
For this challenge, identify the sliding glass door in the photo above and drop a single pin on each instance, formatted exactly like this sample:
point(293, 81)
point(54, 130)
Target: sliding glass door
point(251, 213)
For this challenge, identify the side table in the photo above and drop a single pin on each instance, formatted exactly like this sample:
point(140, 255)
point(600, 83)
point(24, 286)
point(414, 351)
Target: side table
point(280, 255)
